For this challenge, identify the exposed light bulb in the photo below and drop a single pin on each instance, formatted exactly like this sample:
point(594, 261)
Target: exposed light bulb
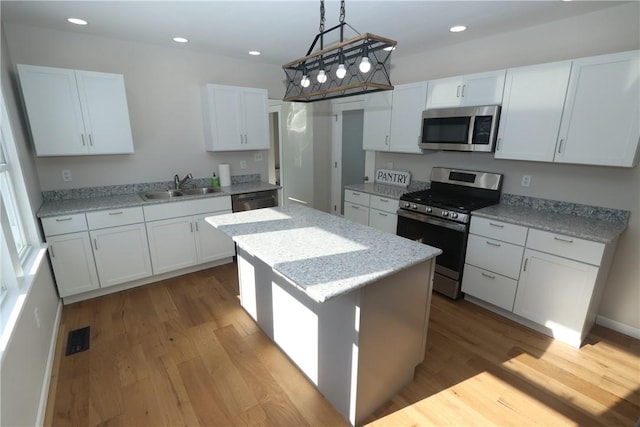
point(322, 76)
point(365, 65)
point(305, 82)
point(341, 71)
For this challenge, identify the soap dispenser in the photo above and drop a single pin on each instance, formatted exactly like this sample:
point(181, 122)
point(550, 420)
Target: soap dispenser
point(215, 182)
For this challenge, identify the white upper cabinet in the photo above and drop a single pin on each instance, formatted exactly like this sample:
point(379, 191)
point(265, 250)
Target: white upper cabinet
point(377, 121)
point(406, 117)
point(600, 124)
point(531, 111)
point(236, 118)
point(73, 112)
point(473, 89)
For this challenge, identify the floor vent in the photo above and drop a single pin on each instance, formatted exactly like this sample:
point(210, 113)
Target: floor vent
point(78, 340)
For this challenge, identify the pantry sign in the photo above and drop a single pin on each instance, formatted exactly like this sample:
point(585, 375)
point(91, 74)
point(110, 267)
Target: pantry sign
point(391, 177)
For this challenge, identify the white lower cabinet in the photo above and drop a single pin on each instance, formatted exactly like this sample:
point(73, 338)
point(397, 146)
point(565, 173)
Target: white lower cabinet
point(211, 243)
point(172, 244)
point(72, 262)
point(369, 209)
point(553, 280)
point(121, 254)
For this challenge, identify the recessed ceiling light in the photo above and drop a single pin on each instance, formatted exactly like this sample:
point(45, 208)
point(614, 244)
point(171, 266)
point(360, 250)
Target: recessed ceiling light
point(77, 21)
point(457, 28)
point(180, 40)
point(254, 52)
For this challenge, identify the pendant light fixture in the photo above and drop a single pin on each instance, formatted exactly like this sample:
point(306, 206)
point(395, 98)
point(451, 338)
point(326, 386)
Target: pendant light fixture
point(349, 67)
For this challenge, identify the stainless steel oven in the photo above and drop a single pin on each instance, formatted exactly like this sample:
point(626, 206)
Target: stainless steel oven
point(440, 217)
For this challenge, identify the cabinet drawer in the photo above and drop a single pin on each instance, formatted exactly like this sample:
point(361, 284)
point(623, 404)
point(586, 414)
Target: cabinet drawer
point(383, 220)
point(499, 230)
point(64, 224)
point(115, 217)
point(356, 213)
point(490, 287)
point(566, 246)
point(356, 197)
point(494, 255)
point(383, 204)
point(187, 208)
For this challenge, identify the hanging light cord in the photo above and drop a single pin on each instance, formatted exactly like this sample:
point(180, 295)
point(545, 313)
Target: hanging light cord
point(342, 12)
point(321, 16)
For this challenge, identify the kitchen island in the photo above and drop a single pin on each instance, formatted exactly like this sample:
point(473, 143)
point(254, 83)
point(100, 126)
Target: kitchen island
point(348, 304)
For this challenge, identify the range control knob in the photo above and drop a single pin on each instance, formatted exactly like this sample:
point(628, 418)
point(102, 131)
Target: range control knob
point(407, 204)
point(429, 210)
point(453, 215)
point(414, 206)
point(445, 213)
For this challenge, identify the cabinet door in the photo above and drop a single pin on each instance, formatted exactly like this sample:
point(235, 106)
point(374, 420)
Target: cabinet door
point(489, 286)
point(121, 254)
point(377, 121)
point(555, 292)
point(600, 123)
point(406, 117)
point(483, 88)
point(531, 111)
point(222, 118)
point(73, 265)
point(171, 244)
point(384, 221)
point(105, 112)
point(211, 243)
point(254, 119)
point(356, 213)
point(53, 108)
point(444, 92)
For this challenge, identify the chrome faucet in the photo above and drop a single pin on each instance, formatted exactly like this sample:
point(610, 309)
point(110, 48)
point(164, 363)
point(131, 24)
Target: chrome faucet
point(180, 182)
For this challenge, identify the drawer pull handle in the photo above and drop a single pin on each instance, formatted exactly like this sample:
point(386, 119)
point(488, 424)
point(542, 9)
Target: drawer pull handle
point(525, 264)
point(382, 214)
point(496, 225)
point(51, 250)
point(83, 143)
point(116, 213)
point(488, 275)
point(563, 240)
point(560, 146)
point(90, 140)
point(191, 226)
point(493, 244)
point(63, 219)
point(355, 194)
point(95, 244)
point(197, 230)
point(384, 200)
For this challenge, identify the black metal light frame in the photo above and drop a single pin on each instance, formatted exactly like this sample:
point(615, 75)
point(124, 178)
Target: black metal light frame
point(377, 49)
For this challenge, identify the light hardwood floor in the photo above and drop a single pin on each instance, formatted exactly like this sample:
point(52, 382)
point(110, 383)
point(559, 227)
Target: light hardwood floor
point(182, 352)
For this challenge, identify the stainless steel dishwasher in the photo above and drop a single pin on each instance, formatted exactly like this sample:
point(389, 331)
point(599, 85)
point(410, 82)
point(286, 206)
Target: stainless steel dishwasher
point(256, 200)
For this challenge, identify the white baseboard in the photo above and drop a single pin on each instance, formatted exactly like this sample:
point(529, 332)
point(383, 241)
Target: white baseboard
point(618, 327)
point(44, 393)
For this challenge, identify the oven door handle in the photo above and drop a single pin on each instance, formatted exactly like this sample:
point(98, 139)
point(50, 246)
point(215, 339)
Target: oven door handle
point(431, 220)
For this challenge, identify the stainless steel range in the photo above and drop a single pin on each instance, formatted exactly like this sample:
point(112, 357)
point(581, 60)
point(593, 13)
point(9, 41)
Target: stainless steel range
point(440, 217)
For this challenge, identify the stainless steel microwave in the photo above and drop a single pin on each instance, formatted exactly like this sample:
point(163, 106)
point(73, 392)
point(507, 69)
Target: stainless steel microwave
point(460, 128)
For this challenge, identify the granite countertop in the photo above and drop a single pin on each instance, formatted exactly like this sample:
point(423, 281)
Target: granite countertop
point(88, 204)
point(323, 255)
point(391, 191)
point(597, 230)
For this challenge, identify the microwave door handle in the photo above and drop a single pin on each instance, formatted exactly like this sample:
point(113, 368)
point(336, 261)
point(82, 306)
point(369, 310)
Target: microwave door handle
point(472, 126)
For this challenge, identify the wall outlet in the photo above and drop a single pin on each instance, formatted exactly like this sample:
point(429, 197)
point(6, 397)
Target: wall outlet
point(243, 164)
point(257, 157)
point(66, 175)
point(526, 181)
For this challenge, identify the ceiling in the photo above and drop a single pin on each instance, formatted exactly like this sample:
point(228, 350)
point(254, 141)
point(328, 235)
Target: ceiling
point(284, 30)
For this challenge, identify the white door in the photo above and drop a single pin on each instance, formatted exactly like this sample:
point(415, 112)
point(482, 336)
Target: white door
point(444, 92)
point(356, 213)
point(171, 244)
point(211, 243)
point(73, 264)
point(255, 115)
point(224, 107)
point(409, 101)
point(348, 155)
point(53, 109)
point(105, 112)
point(377, 121)
point(121, 254)
point(555, 292)
point(483, 88)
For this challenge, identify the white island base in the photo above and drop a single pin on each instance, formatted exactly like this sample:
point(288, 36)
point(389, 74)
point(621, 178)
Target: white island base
point(358, 348)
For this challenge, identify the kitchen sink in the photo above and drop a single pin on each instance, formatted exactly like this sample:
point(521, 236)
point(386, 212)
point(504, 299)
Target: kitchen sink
point(170, 194)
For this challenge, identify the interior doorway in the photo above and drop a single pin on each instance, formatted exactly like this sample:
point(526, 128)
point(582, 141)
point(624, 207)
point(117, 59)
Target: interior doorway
point(349, 159)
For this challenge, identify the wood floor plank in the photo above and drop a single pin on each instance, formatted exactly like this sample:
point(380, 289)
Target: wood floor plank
point(182, 352)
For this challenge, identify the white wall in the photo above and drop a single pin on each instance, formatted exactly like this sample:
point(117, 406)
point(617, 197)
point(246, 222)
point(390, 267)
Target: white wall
point(611, 30)
point(163, 90)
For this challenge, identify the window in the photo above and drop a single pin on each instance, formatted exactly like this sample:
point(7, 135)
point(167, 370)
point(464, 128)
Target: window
point(18, 233)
